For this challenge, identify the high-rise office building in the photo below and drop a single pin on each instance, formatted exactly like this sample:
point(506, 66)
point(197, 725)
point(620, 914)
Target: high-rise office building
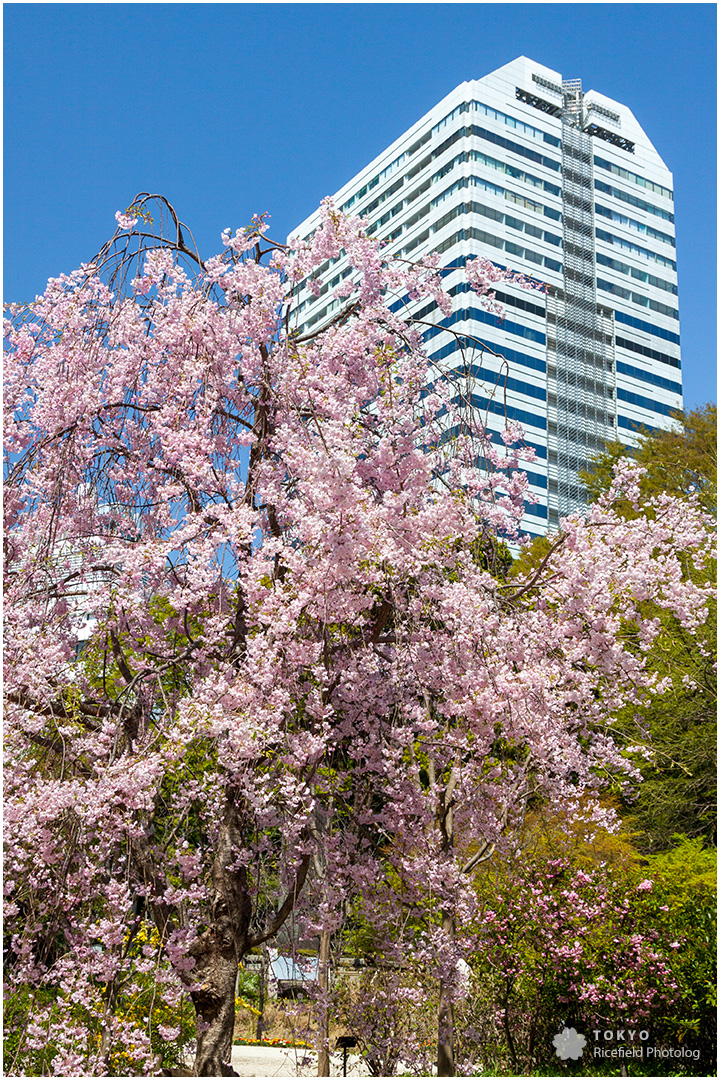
point(525, 169)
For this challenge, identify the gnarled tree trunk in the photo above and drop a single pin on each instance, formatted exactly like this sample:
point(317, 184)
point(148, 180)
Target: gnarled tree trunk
point(219, 950)
point(221, 947)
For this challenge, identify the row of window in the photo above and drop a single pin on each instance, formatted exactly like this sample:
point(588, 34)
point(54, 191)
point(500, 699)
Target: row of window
point(632, 200)
point(518, 174)
point(632, 271)
point(383, 175)
point(386, 195)
point(540, 452)
point(536, 509)
point(474, 155)
point(625, 174)
point(636, 425)
point(523, 358)
point(618, 241)
point(519, 328)
point(535, 362)
point(463, 260)
point(464, 107)
point(500, 378)
point(532, 419)
point(520, 226)
point(495, 114)
point(643, 350)
point(649, 328)
point(504, 298)
point(638, 298)
point(468, 181)
point(491, 212)
point(646, 403)
point(328, 285)
point(648, 377)
point(495, 241)
point(631, 223)
point(475, 234)
point(464, 286)
point(509, 411)
point(516, 148)
point(496, 437)
point(480, 315)
point(473, 208)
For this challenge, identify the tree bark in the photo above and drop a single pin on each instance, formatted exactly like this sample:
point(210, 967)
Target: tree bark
point(323, 1068)
point(446, 1011)
point(446, 1017)
point(219, 950)
point(215, 1009)
point(262, 983)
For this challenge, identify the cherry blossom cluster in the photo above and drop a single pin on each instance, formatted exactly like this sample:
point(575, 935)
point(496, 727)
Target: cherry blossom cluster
point(243, 591)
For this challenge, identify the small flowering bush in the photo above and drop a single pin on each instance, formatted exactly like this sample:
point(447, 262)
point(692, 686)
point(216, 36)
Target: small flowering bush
point(392, 1015)
point(605, 946)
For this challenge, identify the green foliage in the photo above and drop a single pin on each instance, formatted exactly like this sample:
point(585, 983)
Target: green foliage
point(247, 994)
point(140, 1003)
point(492, 555)
point(133, 1006)
point(531, 557)
point(679, 789)
point(683, 908)
point(678, 793)
point(18, 1010)
point(617, 944)
point(680, 461)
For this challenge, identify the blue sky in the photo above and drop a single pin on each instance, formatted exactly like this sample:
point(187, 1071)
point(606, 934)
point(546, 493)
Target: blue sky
point(235, 109)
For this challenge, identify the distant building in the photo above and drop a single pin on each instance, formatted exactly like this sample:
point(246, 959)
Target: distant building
point(524, 168)
point(292, 976)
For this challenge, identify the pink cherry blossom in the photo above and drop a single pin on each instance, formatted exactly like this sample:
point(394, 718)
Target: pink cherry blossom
point(124, 220)
point(256, 662)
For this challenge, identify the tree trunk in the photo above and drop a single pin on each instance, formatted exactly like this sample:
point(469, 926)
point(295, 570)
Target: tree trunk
point(262, 983)
point(219, 950)
point(446, 1011)
point(215, 1008)
point(323, 1068)
point(446, 1038)
point(446, 1016)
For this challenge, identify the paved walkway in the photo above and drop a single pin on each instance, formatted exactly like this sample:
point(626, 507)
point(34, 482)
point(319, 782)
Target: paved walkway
point(276, 1061)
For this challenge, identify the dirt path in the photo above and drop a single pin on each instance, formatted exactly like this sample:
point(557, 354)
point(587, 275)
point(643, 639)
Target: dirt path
point(275, 1061)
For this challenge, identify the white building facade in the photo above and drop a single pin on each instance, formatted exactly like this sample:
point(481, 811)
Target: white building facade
point(524, 169)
